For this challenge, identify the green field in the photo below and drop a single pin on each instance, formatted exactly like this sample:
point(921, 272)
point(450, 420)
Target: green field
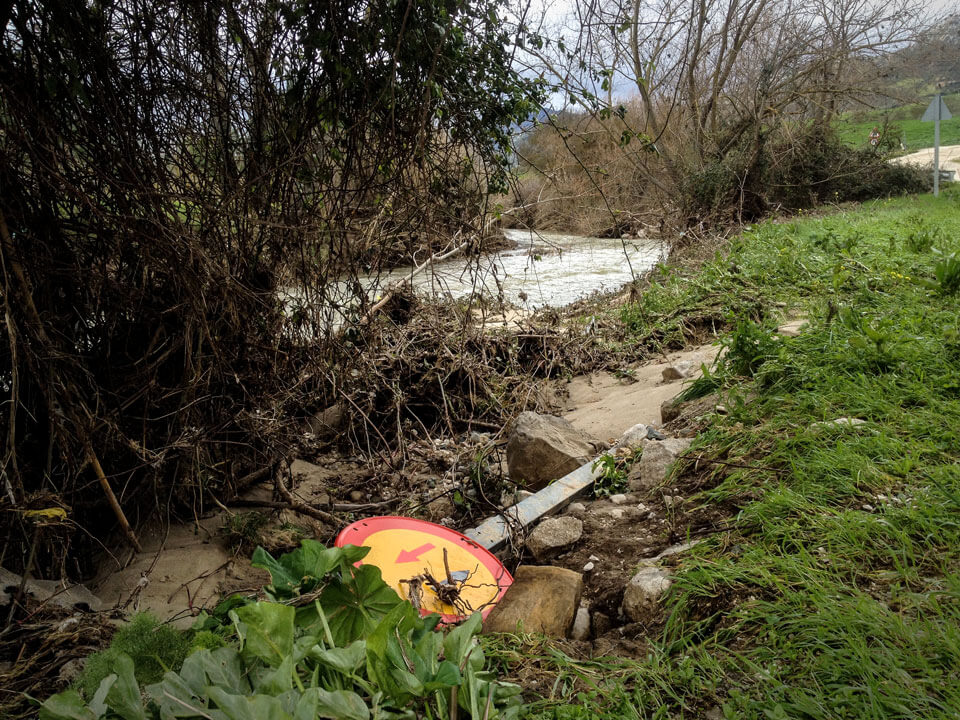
point(901, 123)
point(833, 591)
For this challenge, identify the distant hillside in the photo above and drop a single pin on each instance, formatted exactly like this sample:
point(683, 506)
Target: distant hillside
point(900, 125)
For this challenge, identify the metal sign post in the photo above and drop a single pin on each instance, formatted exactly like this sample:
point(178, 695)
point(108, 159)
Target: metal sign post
point(936, 111)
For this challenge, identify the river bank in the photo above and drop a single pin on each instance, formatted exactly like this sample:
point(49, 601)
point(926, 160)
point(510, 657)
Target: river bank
point(810, 528)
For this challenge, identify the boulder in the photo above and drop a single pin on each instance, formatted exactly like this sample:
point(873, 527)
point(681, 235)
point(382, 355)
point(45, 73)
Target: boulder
point(554, 533)
point(643, 593)
point(655, 463)
point(543, 448)
point(329, 422)
point(540, 600)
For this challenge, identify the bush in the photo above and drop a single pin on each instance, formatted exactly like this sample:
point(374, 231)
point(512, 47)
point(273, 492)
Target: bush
point(817, 167)
point(153, 647)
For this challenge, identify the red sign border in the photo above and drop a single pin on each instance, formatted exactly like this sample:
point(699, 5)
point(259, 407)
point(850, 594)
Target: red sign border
point(362, 529)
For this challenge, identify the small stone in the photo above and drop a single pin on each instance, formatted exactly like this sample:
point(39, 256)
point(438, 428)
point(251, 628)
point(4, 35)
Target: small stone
point(588, 567)
point(669, 410)
point(677, 549)
point(356, 496)
point(322, 499)
point(634, 437)
point(617, 513)
point(846, 422)
point(441, 507)
point(721, 409)
point(656, 462)
point(672, 501)
point(792, 328)
point(581, 625)
point(553, 534)
point(618, 499)
point(479, 438)
point(593, 558)
point(679, 370)
point(868, 508)
point(540, 600)
point(70, 670)
point(644, 591)
point(642, 508)
point(576, 509)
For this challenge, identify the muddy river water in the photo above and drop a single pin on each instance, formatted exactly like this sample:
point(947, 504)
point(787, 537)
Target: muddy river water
point(542, 269)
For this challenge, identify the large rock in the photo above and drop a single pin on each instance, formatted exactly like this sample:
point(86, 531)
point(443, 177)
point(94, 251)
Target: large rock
point(654, 465)
point(329, 422)
point(552, 534)
point(642, 594)
point(541, 600)
point(543, 448)
point(50, 592)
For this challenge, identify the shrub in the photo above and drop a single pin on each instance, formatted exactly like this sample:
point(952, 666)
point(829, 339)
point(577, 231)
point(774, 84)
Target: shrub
point(153, 647)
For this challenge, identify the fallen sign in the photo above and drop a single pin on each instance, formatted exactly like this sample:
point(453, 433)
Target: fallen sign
point(437, 569)
point(495, 531)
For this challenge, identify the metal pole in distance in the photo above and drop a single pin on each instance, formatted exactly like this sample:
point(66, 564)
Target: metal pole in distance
point(936, 148)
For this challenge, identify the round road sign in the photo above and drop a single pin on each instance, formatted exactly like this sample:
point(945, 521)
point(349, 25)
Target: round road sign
point(436, 568)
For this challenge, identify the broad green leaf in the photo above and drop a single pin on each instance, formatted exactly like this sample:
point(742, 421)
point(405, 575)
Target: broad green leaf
point(268, 630)
point(302, 569)
point(123, 698)
point(248, 707)
point(447, 675)
point(346, 660)
point(339, 705)
point(175, 698)
point(459, 641)
point(355, 606)
point(66, 706)
point(386, 665)
point(222, 667)
point(274, 681)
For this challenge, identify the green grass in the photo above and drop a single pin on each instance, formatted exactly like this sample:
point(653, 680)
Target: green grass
point(837, 592)
point(904, 124)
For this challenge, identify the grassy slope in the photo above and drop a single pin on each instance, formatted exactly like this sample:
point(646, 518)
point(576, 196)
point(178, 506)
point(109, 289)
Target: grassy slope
point(854, 128)
point(836, 594)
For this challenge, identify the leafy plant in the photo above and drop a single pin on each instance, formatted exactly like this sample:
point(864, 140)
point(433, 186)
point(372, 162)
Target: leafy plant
point(332, 641)
point(748, 347)
point(243, 529)
point(920, 236)
point(613, 474)
point(947, 272)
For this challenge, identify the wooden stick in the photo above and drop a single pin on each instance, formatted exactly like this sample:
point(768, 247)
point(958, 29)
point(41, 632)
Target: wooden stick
point(112, 499)
point(302, 507)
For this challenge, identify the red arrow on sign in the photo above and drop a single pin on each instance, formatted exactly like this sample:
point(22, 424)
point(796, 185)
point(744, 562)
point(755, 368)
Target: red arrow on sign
point(406, 556)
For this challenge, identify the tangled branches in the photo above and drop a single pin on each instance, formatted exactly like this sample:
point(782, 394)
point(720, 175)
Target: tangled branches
point(190, 193)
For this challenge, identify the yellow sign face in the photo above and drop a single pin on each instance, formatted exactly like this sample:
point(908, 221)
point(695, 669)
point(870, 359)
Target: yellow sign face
point(437, 569)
